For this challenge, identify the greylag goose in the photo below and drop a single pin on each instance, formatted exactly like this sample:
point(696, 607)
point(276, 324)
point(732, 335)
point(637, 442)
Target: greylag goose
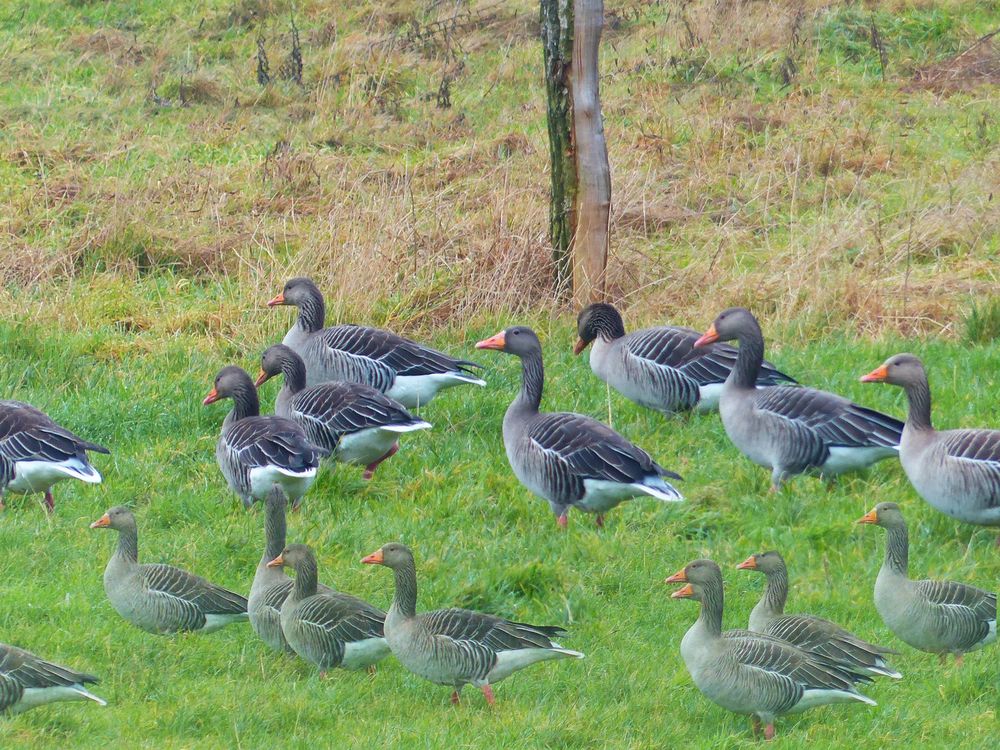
point(941, 617)
point(752, 673)
point(398, 367)
point(161, 598)
point(35, 453)
point(457, 647)
point(357, 423)
point(659, 368)
point(956, 471)
point(793, 430)
point(255, 452)
point(565, 458)
point(27, 681)
point(808, 631)
point(270, 585)
point(327, 628)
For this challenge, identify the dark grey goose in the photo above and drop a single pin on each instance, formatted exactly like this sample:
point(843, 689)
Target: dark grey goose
point(659, 368)
point(27, 681)
point(458, 647)
point(753, 673)
point(270, 585)
point(161, 598)
point(356, 423)
point(402, 369)
point(327, 628)
point(569, 459)
point(257, 452)
point(793, 430)
point(941, 617)
point(808, 631)
point(35, 453)
point(956, 471)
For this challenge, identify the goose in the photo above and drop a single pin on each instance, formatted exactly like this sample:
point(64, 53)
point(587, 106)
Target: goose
point(35, 453)
point(270, 585)
point(939, 617)
point(458, 647)
point(659, 368)
point(569, 459)
point(793, 430)
point(255, 452)
point(753, 673)
point(956, 471)
point(355, 422)
point(809, 632)
point(398, 367)
point(27, 681)
point(327, 628)
point(161, 598)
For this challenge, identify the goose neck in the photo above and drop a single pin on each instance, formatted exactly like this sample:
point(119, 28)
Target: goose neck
point(712, 601)
point(312, 312)
point(532, 382)
point(918, 395)
point(245, 401)
point(404, 600)
point(776, 591)
point(293, 369)
point(128, 544)
point(305, 579)
point(897, 550)
point(274, 529)
point(749, 358)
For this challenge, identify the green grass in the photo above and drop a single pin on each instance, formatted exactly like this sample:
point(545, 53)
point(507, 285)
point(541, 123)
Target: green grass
point(481, 541)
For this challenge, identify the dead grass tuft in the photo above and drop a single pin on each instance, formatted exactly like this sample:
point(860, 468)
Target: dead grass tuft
point(979, 65)
point(121, 48)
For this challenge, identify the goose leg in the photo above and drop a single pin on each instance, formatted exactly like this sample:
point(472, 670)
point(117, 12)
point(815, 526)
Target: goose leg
point(755, 725)
point(777, 478)
point(372, 670)
point(942, 659)
point(769, 732)
point(600, 520)
point(562, 520)
point(370, 468)
point(488, 692)
point(454, 697)
point(959, 659)
point(50, 504)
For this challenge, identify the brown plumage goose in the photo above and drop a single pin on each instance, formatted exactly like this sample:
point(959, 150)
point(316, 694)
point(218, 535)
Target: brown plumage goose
point(753, 673)
point(27, 681)
point(955, 471)
point(942, 617)
point(792, 430)
point(808, 631)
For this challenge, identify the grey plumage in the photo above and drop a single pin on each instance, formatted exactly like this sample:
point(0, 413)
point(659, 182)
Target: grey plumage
point(809, 632)
point(956, 471)
point(937, 616)
point(794, 430)
point(161, 598)
point(402, 369)
point(458, 647)
point(27, 681)
point(659, 368)
point(569, 459)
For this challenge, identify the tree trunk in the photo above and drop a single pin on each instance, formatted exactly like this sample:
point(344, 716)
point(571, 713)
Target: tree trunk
point(580, 199)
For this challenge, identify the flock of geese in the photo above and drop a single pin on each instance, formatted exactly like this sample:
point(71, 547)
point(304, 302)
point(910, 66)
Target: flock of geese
point(346, 395)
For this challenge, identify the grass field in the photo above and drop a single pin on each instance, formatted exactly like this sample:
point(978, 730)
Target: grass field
point(153, 196)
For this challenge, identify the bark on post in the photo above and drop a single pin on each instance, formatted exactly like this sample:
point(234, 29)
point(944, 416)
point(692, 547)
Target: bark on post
point(580, 199)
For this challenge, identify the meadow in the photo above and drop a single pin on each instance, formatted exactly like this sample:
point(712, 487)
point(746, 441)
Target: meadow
point(154, 195)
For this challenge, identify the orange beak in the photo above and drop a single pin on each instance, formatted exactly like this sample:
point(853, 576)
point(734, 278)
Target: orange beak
point(878, 375)
point(279, 299)
point(101, 523)
point(749, 564)
point(869, 517)
point(497, 341)
point(679, 577)
point(580, 346)
point(211, 398)
point(276, 562)
point(262, 377)
point(375, 558)
point(684, 592)
point(709, 337)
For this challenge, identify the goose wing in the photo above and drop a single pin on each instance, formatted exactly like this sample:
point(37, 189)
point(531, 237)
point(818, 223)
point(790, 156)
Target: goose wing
point(191, 592)
point(332, 618)
point(272, 441)
point(337, 409)
point(960, 607)
point(779, 658)
point(981, 446)
point(495, 633)
point(404, 356)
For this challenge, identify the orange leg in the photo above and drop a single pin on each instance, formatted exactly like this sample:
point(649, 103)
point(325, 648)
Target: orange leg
point(488, 692)
point(454, 698)
point(370, 469)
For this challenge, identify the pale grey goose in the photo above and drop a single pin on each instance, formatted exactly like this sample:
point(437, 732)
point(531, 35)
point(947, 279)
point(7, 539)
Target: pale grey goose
point(941, 617)
point(270, 585)
point(956, 471)
point(327, 628)
point(793, 430)
point(355, 422)
point(808, 631)
point(35, 453)
point(27, 681)
point(753, 673)
point(569, 459)
point(161, 598)
point(659, 368)
point(402, 369)
point(458, 647)
point(256, 452)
